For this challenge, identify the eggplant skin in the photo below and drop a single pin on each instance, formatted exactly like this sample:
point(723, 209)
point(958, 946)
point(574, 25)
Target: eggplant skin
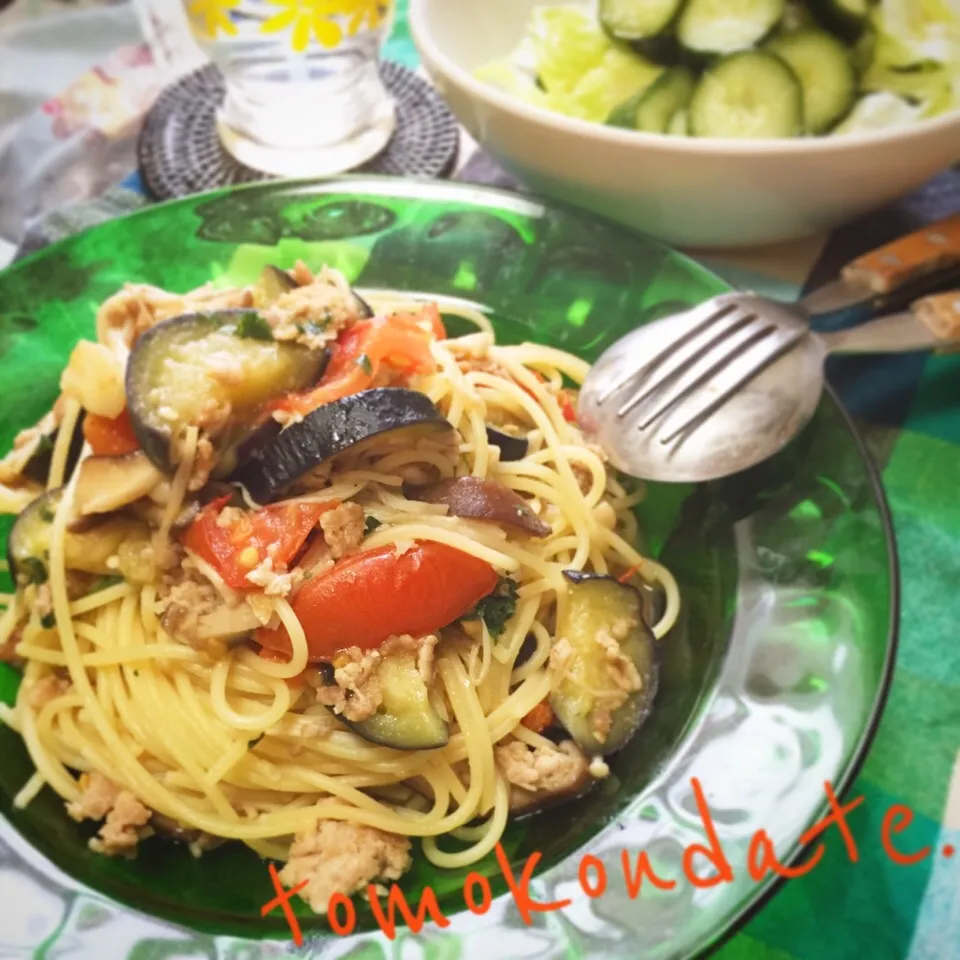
point(293, 368)
point(28, 545)
point(37, 467)
point(480, 498)
point(595, 604)
point(511, 448)
point(331, 430)
point(275, 281)
point(406, 720)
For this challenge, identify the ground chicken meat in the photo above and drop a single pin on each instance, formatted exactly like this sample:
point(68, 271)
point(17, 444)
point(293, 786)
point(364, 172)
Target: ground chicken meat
point(335, 857)
point(301, 274)
point(139, 306)
point(97, 797)
point(355, 693)
point(422, 648)
point(343, 528)
point(275, 583)
point(203, 464)
point(123, 827)
point(126, 817)
point(315, 311)
point(542, 769)
point(47, 689)
point(583, 476)
point(185, 603)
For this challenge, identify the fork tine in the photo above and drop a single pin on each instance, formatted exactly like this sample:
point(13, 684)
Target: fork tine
point(762, 334)
point(715, 316)
point(671, 376)
point(689, 425)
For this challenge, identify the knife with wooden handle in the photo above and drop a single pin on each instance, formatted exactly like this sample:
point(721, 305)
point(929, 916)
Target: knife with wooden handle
point(931, 323)
point(897, 266)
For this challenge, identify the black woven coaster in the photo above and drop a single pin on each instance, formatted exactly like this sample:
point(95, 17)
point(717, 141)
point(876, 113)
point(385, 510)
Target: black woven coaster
point(179, 152)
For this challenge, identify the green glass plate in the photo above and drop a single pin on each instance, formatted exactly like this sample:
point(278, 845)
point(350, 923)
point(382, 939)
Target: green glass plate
point(773, 680)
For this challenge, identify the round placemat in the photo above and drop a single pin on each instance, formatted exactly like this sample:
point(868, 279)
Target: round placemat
point(179, 152)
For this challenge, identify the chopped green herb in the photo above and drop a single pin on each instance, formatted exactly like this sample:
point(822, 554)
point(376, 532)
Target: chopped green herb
point(253, 326)
point(496, 609)
point(104, 583)
point(308, 575)
point(136, 672)
point(48, 621)
point(311, 329)
point(46, 514)
point(371, 524)
point(34, 568)
point(363, 362)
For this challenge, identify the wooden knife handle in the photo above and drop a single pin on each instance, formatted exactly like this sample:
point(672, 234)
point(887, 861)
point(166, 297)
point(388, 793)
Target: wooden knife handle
point(935, 247)
point(940, 314)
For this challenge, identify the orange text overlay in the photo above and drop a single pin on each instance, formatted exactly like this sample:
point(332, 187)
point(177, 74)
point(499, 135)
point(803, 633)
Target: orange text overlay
point(704, 865)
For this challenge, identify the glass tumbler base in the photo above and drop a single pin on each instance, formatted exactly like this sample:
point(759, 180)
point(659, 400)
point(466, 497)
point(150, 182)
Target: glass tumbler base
point(320, 161)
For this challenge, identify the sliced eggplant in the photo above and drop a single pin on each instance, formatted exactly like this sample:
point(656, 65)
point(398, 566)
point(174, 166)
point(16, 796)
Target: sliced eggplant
point(333, 429)
point(274, 282)
point(600, 607)
point(88, 550)
point(406, 720)
point(214, 371)
point(28, 546)
point(110, 483)
point(511, 448)
point(480, 499)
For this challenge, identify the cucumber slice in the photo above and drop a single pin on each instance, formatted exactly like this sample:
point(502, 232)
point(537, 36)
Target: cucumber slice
point(751, 95)
point(826, 73)
point(637, 19)
point(680, 124)
point(846, 18)
point(727, 26)
point(652, 110)
point(797, 16)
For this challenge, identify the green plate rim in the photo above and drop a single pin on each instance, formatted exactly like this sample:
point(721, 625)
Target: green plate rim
point(773, 884)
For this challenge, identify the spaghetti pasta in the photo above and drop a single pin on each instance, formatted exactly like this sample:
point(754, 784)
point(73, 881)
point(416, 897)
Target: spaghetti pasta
point(196, 684)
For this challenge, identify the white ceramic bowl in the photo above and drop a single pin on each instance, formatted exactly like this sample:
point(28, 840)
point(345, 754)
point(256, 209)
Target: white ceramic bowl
point(707, 193)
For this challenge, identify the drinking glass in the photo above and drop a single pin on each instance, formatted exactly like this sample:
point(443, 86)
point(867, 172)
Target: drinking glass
point(304, 96)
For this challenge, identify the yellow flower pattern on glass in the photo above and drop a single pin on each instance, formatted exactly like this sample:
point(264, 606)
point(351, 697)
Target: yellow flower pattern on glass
point(306, 20)
point(211, 17)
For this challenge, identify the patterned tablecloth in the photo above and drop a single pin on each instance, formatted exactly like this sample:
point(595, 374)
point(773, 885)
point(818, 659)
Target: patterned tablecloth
point(909, 410)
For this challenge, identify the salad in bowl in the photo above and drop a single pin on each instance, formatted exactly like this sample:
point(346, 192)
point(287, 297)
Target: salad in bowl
point(749, 69)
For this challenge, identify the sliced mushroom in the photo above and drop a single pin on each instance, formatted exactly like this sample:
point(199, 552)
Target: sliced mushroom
point(477, 498)
point(109, 483)
point(225, 623)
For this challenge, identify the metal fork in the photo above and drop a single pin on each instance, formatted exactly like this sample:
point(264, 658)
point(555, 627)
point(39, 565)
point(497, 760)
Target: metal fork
point(716, 389)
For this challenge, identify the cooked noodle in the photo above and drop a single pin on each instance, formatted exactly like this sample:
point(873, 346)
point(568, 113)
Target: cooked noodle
point(209, 737)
